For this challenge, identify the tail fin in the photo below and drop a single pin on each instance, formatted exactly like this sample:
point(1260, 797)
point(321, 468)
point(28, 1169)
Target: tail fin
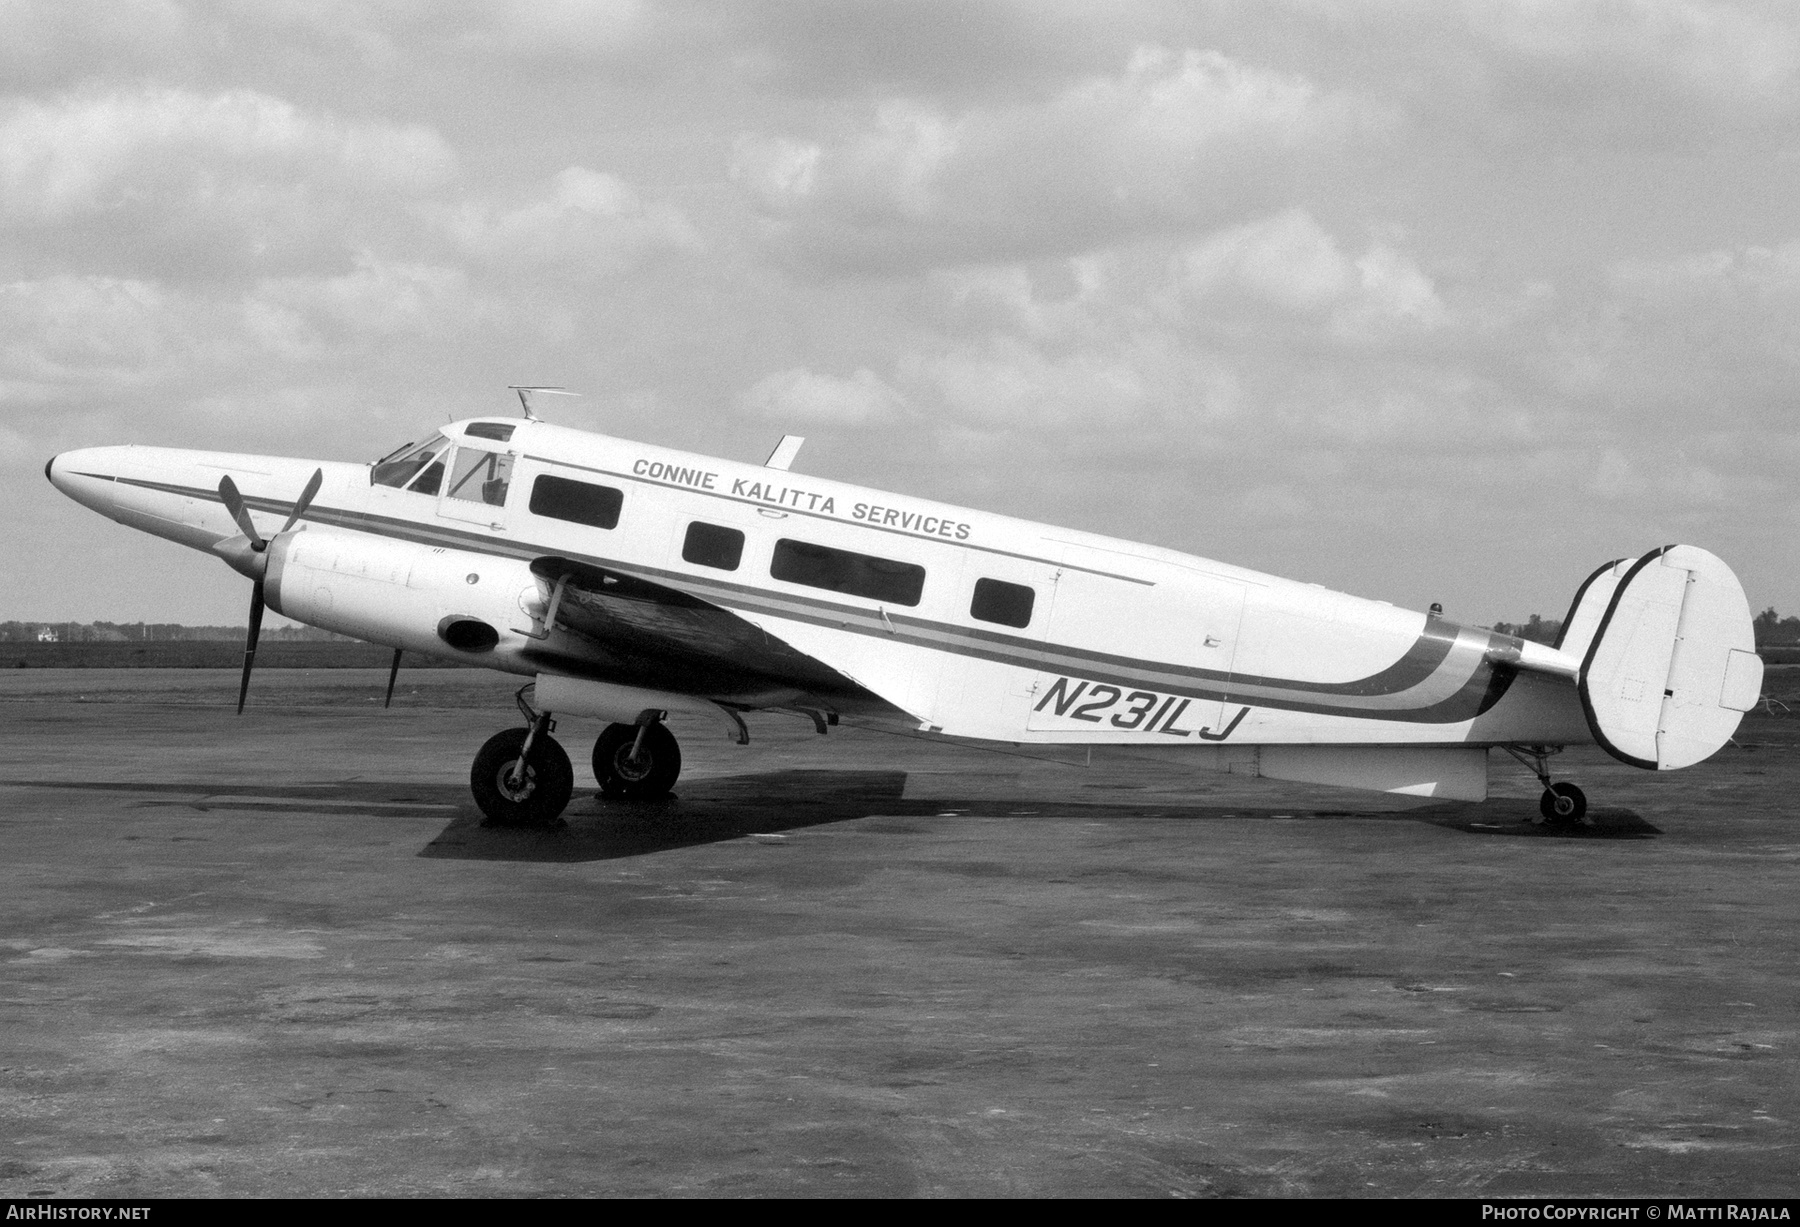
point(1668, 656)
point(1589, 606)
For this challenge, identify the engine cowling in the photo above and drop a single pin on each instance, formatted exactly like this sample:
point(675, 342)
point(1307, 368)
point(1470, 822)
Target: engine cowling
point(423, 598)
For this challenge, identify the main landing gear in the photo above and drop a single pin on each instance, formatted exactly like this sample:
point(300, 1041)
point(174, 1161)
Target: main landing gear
point(522, 777)
point(1562, 804)
point(637, 761)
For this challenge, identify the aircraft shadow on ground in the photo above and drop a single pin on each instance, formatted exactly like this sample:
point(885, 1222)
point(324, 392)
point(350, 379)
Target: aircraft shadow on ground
point(707, 811)
point(715, 810)
point(1517, 818)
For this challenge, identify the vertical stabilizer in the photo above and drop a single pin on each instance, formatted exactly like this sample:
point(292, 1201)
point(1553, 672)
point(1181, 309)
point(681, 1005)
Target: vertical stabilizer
point(1589, 606)
point(1671, 663)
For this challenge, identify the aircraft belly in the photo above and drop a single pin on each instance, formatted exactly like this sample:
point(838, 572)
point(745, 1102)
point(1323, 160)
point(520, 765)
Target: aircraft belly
point(1452, 773)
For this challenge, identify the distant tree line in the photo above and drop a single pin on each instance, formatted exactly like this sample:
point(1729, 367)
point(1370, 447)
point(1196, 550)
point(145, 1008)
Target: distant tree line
point(1772, 630)
point(153, 632)
point(1534, 628)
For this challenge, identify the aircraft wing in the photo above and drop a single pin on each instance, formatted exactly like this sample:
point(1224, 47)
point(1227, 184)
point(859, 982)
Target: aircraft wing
point(618, 627)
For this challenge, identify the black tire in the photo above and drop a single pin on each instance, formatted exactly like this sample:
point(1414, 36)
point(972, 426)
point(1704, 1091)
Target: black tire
point(651, 774)
point(1564, 804)
point(549, 780)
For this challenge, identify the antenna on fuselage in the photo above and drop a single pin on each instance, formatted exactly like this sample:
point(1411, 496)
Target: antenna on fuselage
point(783, 456)
point(525, 391)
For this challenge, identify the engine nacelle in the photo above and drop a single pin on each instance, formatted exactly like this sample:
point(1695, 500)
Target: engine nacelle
point(424, 598)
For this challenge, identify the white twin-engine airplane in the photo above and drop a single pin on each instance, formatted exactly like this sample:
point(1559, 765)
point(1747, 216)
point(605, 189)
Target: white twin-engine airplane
point(638, 585)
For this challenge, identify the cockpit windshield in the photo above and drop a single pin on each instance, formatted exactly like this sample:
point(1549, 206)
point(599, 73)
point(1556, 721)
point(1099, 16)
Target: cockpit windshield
point(420, 464)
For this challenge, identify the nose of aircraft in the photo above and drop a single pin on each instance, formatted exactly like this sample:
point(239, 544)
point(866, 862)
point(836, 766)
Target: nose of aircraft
point(86, 475)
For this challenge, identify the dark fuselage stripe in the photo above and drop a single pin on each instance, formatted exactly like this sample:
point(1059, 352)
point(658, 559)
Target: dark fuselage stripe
point(1422, 662)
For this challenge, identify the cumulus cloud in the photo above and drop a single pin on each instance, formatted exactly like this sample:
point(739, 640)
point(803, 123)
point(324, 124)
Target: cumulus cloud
point(803, 396)
point(78, 340)
point(1692, 334)
point(67, 334)
point(307, 318)
point(1537, 75)
point(1271, 330)
point(1007, 383)
point(565, 26)
point(197, 246)
point(46, 43)
point(1207, 273)
point(96, 154)
point(1176, 140)
point(180, 185)
point(585, 223)
point(1288, 261)
point(1735, 56)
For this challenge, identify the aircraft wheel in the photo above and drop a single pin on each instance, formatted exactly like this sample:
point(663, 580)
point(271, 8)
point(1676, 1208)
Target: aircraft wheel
point(651, 774)
point(1563, 803)
point(544, 792)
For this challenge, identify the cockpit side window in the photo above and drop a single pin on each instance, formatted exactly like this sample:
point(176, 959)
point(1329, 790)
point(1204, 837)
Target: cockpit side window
point(428, 481)
point(480, 477)
point(403, 466)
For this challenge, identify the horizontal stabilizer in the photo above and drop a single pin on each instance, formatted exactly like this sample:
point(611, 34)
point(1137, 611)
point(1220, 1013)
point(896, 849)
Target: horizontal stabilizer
point(1671, 665)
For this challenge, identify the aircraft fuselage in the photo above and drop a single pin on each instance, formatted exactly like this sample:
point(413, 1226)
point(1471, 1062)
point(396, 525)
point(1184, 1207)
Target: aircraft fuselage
point(952, 620)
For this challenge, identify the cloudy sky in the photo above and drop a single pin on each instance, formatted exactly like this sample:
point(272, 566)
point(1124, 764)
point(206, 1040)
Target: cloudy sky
point(1420, 300)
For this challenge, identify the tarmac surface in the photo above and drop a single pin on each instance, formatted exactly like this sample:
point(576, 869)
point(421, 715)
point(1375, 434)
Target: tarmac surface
point(279, 955)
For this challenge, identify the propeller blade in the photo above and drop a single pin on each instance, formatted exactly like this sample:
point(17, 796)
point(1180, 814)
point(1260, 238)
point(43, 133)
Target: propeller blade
point(393, 673)
point(306, 498)
point(256, 612)
point(234, 503)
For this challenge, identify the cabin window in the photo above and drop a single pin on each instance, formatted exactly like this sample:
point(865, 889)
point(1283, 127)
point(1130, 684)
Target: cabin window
point(418, 466)
point(818, 566)
point(712, 546)
point(480, 477)
point(998, 601)
point(579, 502)
point(499, 432)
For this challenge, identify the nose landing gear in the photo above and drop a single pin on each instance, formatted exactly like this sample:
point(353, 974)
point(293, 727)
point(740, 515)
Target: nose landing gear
point(1561, 803)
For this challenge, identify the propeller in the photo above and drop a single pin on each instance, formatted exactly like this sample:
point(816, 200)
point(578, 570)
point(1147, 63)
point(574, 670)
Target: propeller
point(393, 674)
point(249, 555)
